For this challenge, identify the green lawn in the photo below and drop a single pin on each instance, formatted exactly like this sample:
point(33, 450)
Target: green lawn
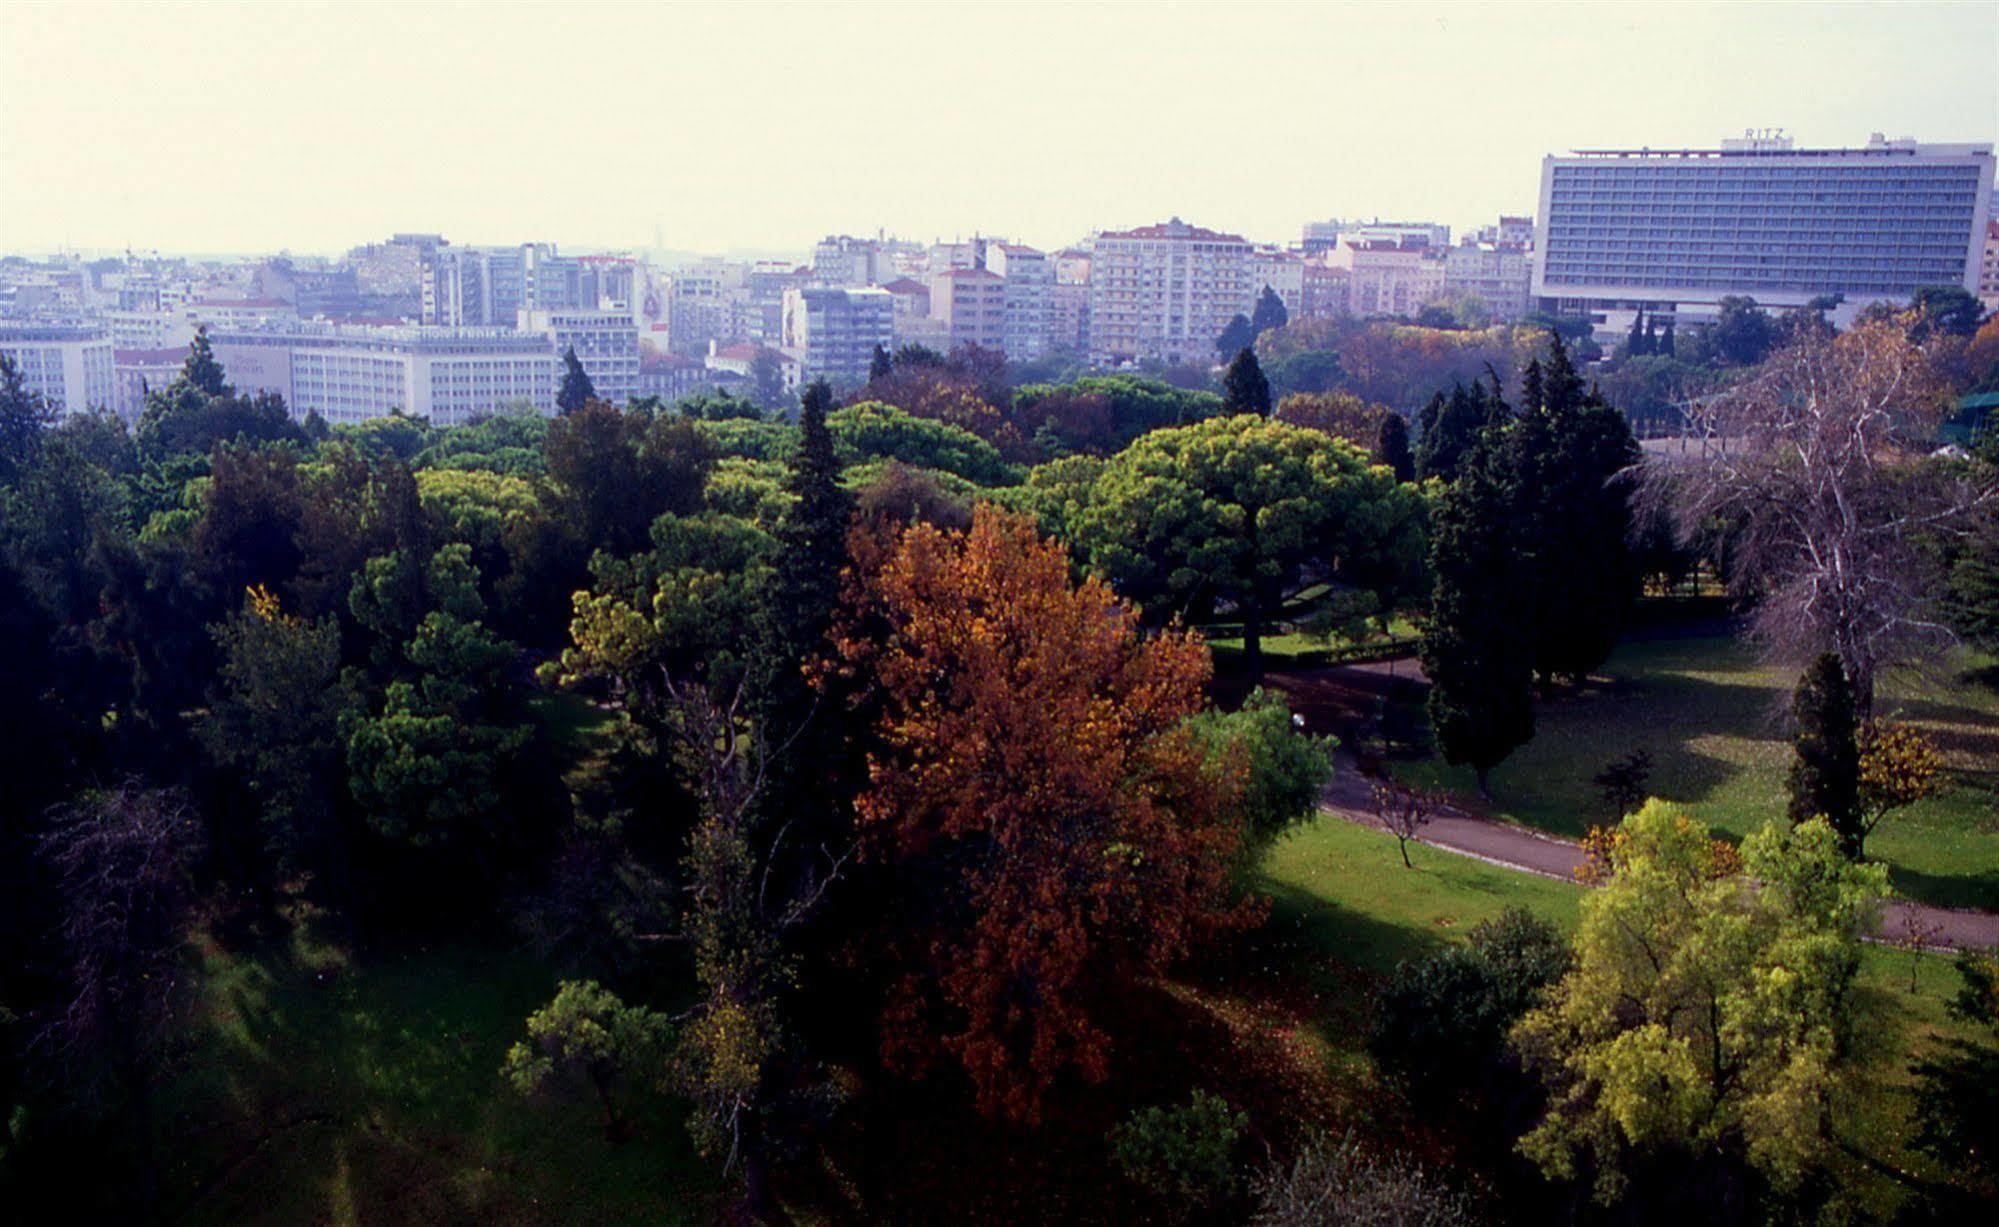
point(324, 1093)
point(1343, 891)
point(1341, 896)
point(1713, 719)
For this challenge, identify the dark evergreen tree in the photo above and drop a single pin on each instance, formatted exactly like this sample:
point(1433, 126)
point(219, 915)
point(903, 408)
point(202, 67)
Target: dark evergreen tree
point(803, 594)
point(1666, 340)
point(1825, 777)
point(1451, 425)
point(1476, 647)
point(1239, 335)
point(577, 390)
point(1244, 389)
point(881, 366)
point(1391, 446)
point(1269, 312)
point(1568, 458)
point(201, 370)
point(1634, 342)
point(24, 415)
point(1651, 336)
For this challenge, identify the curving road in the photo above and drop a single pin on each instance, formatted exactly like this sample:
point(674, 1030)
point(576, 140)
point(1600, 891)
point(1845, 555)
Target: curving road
point(1350, 796)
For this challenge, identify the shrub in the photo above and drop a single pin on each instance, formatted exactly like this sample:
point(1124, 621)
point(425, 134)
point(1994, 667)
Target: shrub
point(1184, 1151)
point(1337, 1186)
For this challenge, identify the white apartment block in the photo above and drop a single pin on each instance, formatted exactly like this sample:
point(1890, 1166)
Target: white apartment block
point(970, 304)
point(68, 362)
point(843, 260)
point(1388, 278)
point(833, 331)
point(351, 374)
point(139, 371)
point(1029, 298)
point(1501, 274)
point(1165, 292)
point(1284, 273)
point(1988, 268)
point(606, 343)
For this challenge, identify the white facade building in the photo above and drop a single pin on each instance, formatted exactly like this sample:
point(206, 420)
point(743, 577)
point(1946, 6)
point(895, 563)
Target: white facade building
point(1029, 295)
point(351, 374)
point(833, 331)
point(1671, 232)
point(68, 362)
point(606, 343)
point(1165, 292)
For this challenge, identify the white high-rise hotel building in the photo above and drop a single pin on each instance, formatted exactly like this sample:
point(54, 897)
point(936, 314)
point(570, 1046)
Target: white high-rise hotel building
point(1673, 231)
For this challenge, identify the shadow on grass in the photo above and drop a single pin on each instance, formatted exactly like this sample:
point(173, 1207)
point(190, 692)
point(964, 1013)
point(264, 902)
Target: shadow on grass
point(375, 1096)
point(1978, 891)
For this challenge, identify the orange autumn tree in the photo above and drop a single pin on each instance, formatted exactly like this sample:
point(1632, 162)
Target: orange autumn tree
point(1032, 796)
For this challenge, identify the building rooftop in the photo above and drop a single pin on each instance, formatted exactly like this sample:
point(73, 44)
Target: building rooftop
point(1783, 147)
point(1173, 229)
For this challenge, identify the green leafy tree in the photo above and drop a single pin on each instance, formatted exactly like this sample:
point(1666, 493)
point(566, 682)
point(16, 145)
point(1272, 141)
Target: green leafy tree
point(588, 1032)
point(1710, 1015)
point(577, 390)
point(1440, 1023)
point(1232, 509)
point(1948, 309)
point(870, 430)
point(1244, 389)
point(275, 716)
point(1825, 776)
point(615, 471)
point(1286, 766)
point(1742, 333)
point(427, 765)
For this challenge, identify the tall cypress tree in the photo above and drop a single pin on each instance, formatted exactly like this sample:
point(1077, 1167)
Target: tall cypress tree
point(1568, 457)
point(1391, 446)
point(1825, 776)
point(880, 366)
point(1451, 427)
point(796, 615)
point(577, 390)
point(1475, 648)
point(1244, 388)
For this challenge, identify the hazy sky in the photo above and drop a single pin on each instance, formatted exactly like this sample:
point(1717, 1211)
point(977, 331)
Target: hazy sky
point(315, 127)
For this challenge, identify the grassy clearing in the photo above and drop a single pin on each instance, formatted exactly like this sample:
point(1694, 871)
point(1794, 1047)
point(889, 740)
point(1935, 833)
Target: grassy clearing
point(1342, 889)
point(1713, 720)
point(1341, 895)
point(370, 1094)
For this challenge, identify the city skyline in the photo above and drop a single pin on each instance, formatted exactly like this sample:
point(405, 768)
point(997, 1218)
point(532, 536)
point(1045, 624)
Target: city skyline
point(337, 133)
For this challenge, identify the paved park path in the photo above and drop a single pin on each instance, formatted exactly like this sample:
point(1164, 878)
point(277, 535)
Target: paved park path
point(1350, 795)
